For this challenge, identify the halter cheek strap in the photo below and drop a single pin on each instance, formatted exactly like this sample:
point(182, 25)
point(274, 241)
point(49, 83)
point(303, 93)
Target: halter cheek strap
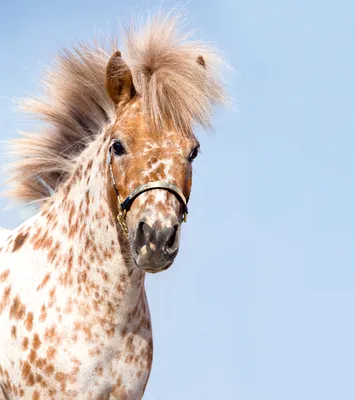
point(125, 206)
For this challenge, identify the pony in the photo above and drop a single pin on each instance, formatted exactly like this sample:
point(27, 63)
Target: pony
point(112, 170)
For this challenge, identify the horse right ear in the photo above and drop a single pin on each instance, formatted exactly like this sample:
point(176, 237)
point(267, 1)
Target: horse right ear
point(119, 82)
point(200, 60)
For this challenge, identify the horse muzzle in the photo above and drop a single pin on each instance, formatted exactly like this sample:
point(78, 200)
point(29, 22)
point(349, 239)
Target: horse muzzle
point(155, 244)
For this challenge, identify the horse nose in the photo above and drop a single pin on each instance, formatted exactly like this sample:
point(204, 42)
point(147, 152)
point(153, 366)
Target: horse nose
point(157, 239)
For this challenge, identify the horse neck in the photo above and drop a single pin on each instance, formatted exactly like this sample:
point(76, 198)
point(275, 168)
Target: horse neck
point(88, 248)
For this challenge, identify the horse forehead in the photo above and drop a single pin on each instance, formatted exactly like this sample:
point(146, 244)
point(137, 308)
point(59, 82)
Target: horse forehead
point(138, 135)
point(166, 146)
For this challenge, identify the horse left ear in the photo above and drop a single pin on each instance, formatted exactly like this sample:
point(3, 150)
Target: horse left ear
point(119, 82)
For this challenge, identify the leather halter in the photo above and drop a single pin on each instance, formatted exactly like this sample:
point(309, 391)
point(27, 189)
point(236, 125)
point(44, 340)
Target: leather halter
point(125, 206)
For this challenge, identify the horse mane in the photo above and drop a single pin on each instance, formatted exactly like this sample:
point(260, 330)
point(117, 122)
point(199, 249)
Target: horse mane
point(76, 107)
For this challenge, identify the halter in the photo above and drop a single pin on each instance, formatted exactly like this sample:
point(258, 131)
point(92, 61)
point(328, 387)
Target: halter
point(124, 207)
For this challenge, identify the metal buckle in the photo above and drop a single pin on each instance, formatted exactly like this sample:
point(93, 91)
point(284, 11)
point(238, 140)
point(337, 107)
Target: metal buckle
point(121, 217)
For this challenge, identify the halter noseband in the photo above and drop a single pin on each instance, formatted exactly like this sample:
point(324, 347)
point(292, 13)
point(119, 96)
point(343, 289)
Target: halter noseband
point(124, 207)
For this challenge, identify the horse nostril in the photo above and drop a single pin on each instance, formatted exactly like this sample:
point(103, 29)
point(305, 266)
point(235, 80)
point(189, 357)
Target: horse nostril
point(172, 238)
point(141, 227)
point(140, 239)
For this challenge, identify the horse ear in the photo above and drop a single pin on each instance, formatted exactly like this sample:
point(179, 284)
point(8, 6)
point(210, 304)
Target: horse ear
point(201, 61)
point(119, 82)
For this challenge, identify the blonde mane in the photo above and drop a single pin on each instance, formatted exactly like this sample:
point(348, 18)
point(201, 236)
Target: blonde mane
point(76, 107)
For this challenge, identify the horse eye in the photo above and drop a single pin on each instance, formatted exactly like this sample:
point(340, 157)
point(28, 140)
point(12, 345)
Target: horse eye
point(194, 153)
point(118, 148)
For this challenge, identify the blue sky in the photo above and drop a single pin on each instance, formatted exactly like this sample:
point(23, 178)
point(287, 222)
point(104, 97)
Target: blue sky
point(259, 304)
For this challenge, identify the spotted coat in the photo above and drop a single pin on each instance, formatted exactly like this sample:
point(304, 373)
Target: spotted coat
point(74, 317)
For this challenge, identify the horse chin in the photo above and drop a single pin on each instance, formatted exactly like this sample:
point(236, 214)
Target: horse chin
point(152, 269)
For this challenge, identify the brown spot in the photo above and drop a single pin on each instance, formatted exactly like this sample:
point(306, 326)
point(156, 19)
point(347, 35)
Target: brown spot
point(19, 241)
point(4, 275)
point(89, 166)
point(129, 344)
point(124, 332)
point(41, 363)
point(61, 377)
point(46, 242)
point(5, 299)
point(51, 353)
point(104, 396)
point(32, 356)
point(51, 297)
point(119, 391)
point(80, 259)
point(110, 331)
point(29, 321)
point(160, 171)
point(71, 212)
point(13, 332)
point(69, 306)
point(43, 316)
point(36, 343)
point(41, 381)
point(53, 252)
point(17, 310)
point(25, 343)
point(104, 276)
point(119, 288)
point(36, 395)
point(129, 359)
point(44, 281)
point(27, 374)
point(88, 333)
point(49, 369)
point(99, 370)
point(50, 333)
point(87, 198)
point(95, 352)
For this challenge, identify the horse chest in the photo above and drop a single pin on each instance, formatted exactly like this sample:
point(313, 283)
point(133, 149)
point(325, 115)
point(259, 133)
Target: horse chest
point(119, 368)
point(114, 366)
point(56, 342)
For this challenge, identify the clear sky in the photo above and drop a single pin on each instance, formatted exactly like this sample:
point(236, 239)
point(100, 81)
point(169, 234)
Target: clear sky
point(260, 302)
